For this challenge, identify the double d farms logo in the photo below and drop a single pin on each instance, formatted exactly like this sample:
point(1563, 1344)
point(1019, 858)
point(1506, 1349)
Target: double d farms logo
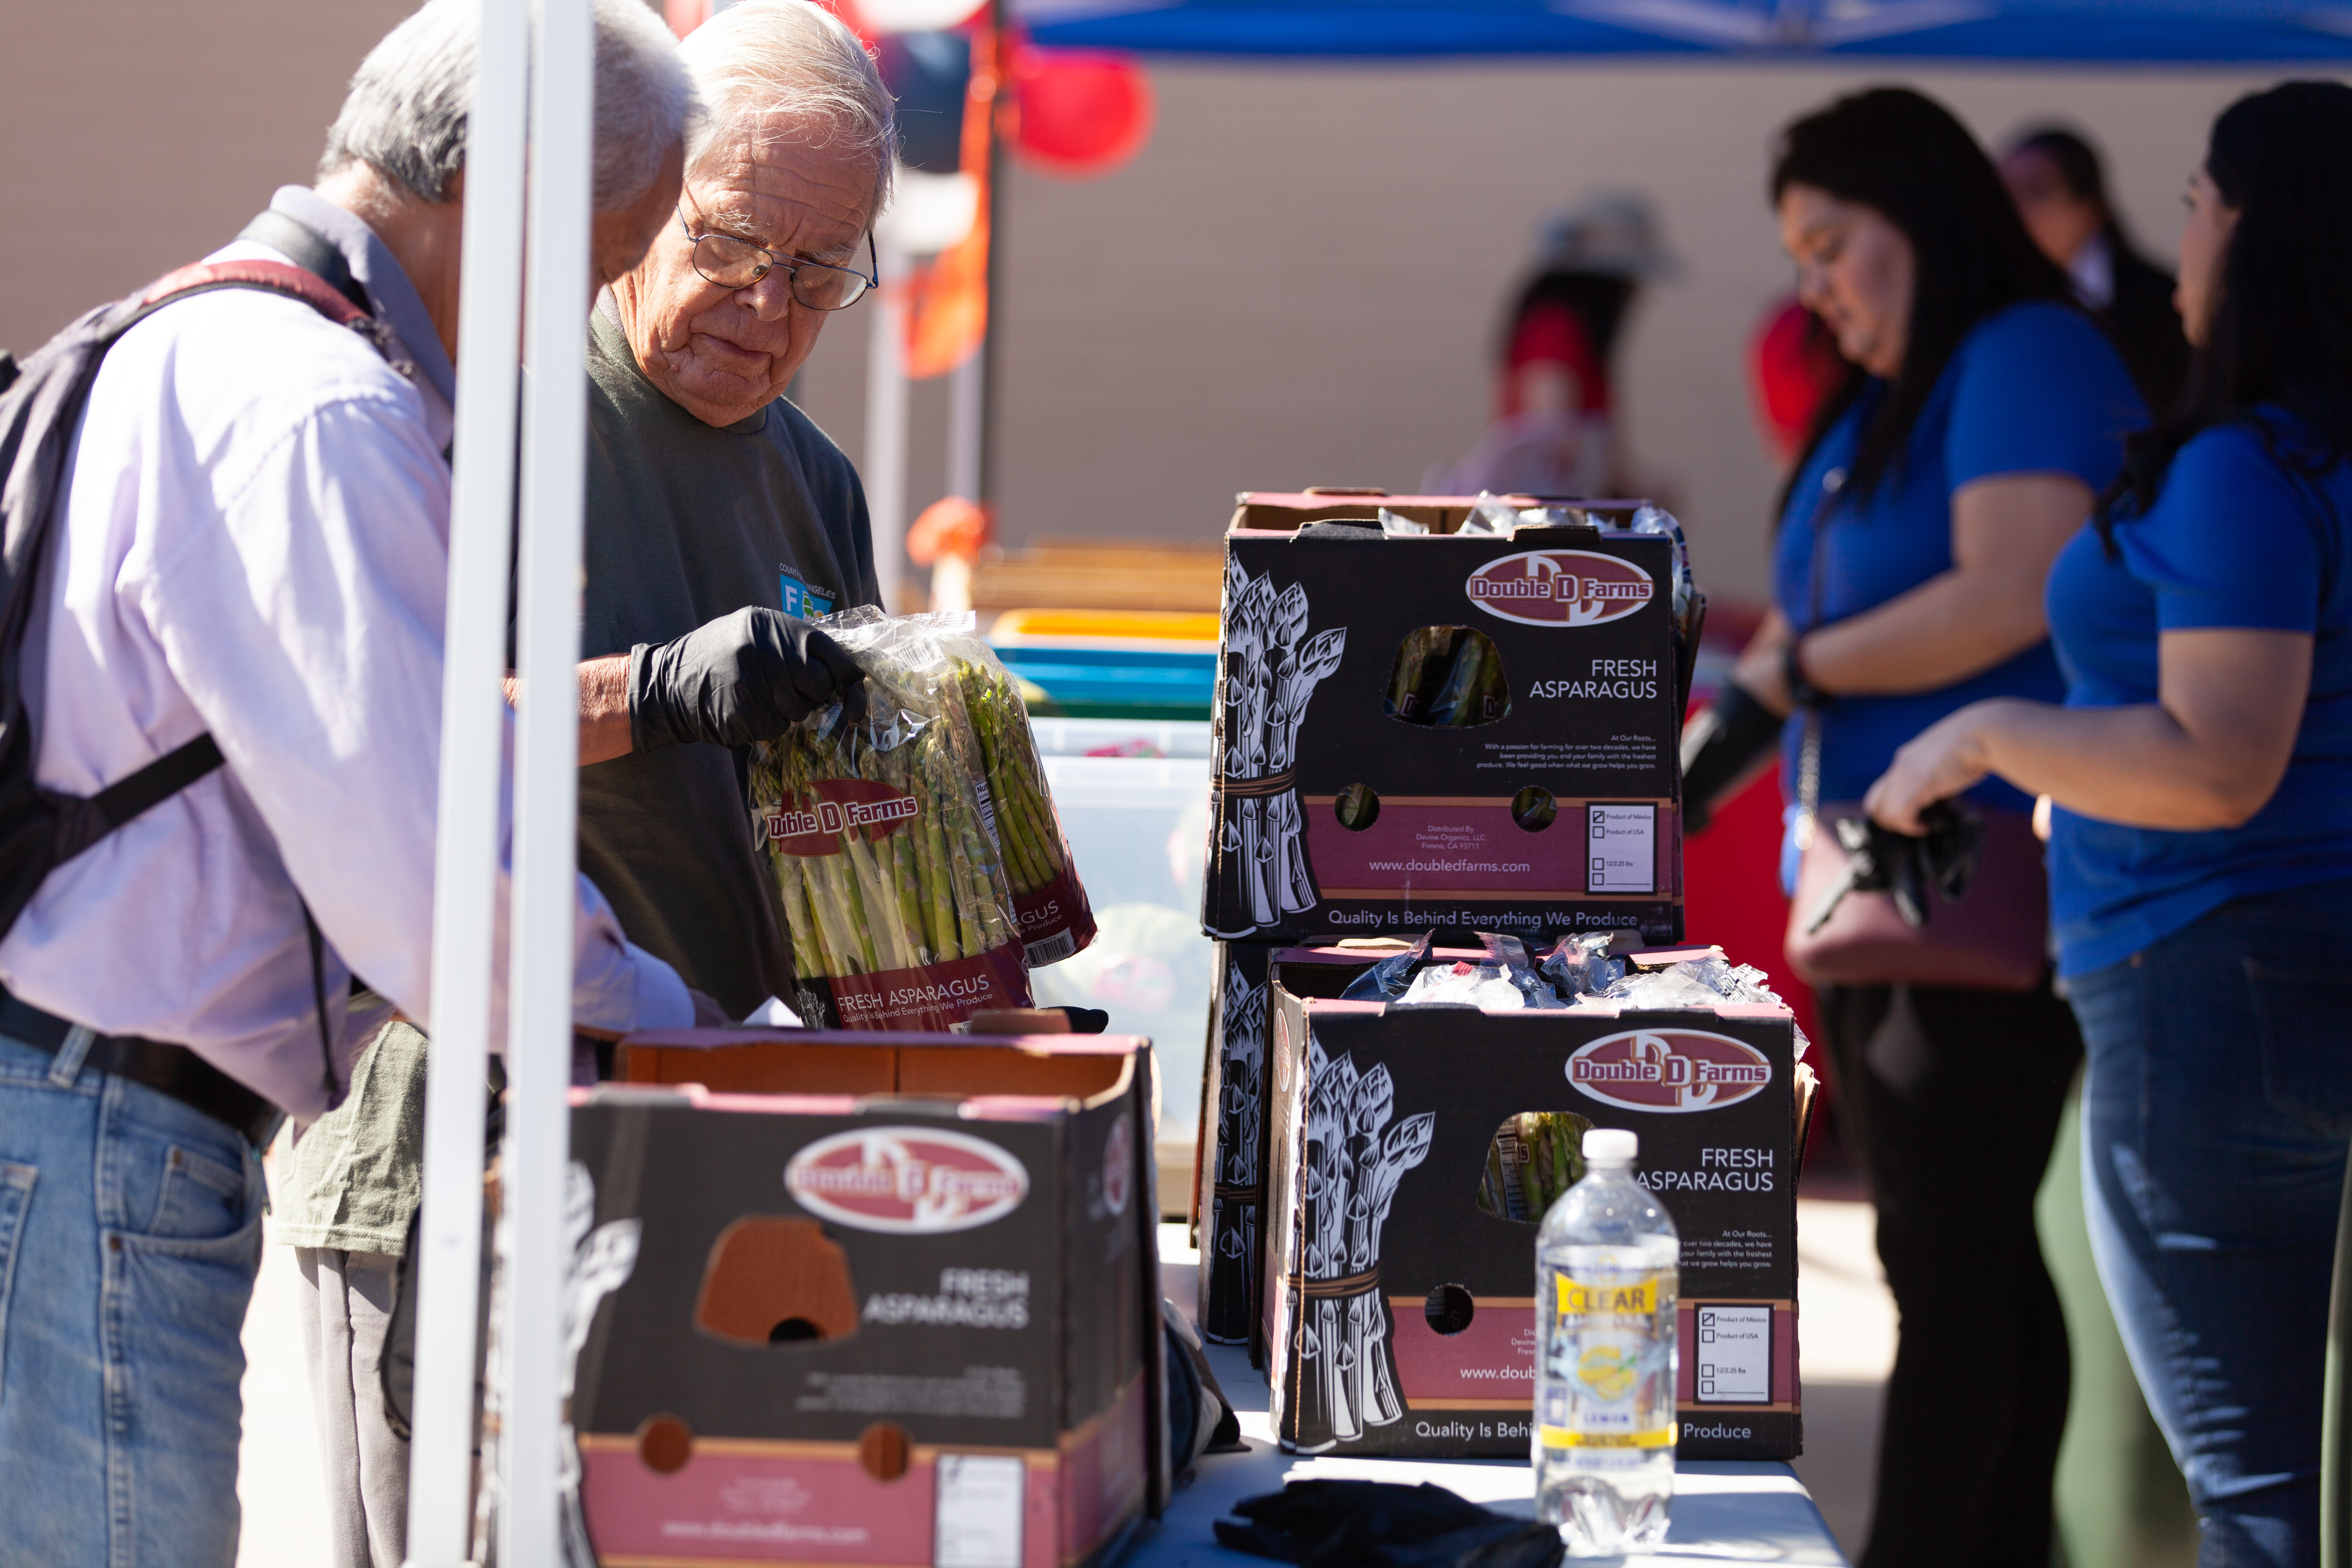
point(1670, 1070)
point(905, 1181)
point(812, 824)
point(1559, 588)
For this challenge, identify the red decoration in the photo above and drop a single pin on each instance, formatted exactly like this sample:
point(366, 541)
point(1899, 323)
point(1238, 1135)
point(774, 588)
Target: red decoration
point(1794, 366)
point(1082, 111)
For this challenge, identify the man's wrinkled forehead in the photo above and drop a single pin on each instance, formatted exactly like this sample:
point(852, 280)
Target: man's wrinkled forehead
point(779, 184)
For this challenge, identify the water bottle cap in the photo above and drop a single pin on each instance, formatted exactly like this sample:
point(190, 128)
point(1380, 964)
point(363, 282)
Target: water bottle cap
point(1610, 1145)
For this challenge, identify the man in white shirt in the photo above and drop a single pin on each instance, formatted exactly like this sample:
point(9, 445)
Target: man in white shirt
point(252, 543)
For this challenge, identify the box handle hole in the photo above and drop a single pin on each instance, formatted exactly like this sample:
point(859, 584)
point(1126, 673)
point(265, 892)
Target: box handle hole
point(1449, 1309)
point(1357, 808)
point(882, 1450)
point(664, 1444)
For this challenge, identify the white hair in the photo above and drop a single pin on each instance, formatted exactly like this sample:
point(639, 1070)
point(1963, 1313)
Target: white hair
point(759, 61)
point(405, 115)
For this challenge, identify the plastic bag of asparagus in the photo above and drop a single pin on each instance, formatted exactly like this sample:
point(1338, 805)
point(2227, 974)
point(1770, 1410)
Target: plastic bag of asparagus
point(1049, 902)
point(1535, 1157)
point(899, 840)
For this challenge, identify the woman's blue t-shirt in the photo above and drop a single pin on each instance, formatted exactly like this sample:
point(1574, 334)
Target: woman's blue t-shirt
point(2033, 389)
point(2237, 538)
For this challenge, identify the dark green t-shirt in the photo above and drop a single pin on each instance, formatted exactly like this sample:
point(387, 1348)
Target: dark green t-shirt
point(688, 522)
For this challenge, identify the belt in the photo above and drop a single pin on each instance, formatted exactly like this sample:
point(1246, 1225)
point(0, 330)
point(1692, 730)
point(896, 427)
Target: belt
point(170, 1069)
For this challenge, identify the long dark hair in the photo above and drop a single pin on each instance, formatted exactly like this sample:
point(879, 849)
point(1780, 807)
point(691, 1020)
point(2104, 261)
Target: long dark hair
point(2281, 332)
point(1904, 154)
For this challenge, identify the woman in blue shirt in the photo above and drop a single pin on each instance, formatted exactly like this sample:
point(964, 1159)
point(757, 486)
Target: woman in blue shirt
point(1982, 415)
point(2201, 847)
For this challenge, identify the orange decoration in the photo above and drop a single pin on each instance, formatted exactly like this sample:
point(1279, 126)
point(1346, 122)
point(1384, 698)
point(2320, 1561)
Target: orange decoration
point(947, 302)
point(951, 526)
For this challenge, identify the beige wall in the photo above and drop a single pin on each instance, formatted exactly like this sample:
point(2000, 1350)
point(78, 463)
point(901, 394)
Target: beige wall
point(1297, 282)
point(137, 134)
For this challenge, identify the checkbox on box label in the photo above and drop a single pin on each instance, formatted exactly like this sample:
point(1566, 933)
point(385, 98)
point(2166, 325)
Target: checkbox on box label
point(1624, 841)
point(1738, 1368)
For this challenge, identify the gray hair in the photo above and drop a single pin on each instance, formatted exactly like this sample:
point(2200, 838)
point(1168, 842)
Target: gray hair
point(405, 115)
point(797, 61)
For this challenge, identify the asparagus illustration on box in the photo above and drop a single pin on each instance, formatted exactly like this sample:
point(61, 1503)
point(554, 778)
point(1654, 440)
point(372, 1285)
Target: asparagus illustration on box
point(598, 1260)
point(1234, 1217)
point(1271, 669)
point(1353, 1161)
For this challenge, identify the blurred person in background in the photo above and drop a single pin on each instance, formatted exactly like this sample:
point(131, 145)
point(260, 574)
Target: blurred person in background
point(252, 544)
point(2200, 855)
point(1557, 428)
point(719, 518)
point(1979, 414)
point(2061, 190)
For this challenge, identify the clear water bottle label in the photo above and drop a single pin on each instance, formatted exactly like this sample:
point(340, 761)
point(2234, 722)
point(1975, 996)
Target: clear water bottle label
point(1610, 1383)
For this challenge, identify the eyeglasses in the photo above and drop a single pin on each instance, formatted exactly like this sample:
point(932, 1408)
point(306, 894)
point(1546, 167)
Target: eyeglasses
point(730, 262)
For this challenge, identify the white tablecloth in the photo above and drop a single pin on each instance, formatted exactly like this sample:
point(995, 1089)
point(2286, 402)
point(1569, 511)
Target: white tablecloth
point(1749, 1511)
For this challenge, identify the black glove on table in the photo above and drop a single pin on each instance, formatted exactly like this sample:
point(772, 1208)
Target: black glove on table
point(742, 677)
point(1380, 1524)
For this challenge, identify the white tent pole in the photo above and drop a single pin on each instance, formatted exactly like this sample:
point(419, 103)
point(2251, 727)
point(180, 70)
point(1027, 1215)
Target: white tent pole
point(466, 852)
point(547, 781)
point(884, 471)
point(967, 396)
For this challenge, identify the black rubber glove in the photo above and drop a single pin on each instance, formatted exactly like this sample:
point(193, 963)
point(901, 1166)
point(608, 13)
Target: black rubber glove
point(743, 678)
point(1721, 748)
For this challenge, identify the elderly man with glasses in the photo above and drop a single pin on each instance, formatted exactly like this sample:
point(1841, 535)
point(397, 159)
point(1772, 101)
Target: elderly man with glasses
point(713, 502)
point(719, 518)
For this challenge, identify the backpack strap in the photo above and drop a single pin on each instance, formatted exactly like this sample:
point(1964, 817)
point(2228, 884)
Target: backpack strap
point(82, 822)
point(309, 250)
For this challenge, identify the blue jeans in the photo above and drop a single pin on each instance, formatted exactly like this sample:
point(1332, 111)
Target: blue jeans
point(130, 1234)
point(2217, 1112)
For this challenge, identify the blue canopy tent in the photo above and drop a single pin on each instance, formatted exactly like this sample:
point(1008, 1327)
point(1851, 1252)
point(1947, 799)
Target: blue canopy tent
point(2175, 32)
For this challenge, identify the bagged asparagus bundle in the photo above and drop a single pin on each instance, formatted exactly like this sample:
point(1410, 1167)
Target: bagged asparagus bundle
point(1535, 1157)
point(1049, 902)
point(877, 829)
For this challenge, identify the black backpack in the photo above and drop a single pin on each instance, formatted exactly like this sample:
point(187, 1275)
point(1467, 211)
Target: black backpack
point(40, 403)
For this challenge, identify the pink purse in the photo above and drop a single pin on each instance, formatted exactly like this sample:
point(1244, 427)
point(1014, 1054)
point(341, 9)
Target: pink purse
point(1994, 938)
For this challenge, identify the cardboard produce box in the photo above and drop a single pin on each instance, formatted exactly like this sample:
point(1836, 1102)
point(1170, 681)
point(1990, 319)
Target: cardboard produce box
point(905, 1313)
point(1446, 729)
point(1401, 1312)
point(1233, 1119)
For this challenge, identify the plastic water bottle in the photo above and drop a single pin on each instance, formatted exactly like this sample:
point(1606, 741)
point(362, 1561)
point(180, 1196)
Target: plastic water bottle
point(1607, 1275)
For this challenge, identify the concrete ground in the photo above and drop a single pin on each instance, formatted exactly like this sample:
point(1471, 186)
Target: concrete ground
point(278, 1478)
point(1848, 1343)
